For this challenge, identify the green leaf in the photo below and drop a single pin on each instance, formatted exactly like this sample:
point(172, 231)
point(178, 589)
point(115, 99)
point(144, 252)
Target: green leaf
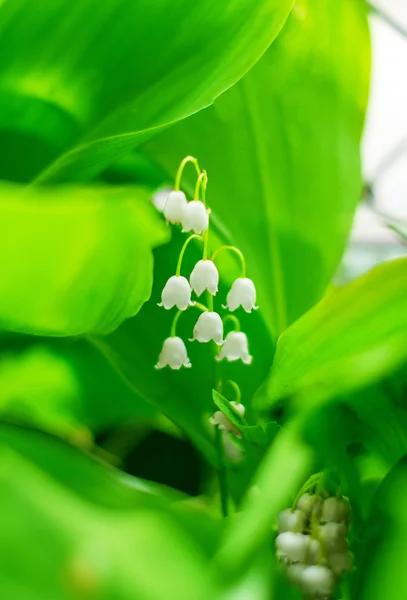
point(65, 387)
point(280, 475)
point(229, 410)
point(260, 436)
point(79, 260)
point(353, 337)
point(282, 153)
point(87, 82)
point(83, 474)
point(91, 550)
point(384, 568)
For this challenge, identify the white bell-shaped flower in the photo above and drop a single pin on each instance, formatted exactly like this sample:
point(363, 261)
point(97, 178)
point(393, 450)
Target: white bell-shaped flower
point(242, 293)
point(160, 198)
point(175, 206)
point(173, 354)
point(317, 581)
point(209, 326)
point(195, 217)
point(235, 347)
point(224, 424)
point(176, 292)
point(291, 520)
point(204, 276)
point(292, 545)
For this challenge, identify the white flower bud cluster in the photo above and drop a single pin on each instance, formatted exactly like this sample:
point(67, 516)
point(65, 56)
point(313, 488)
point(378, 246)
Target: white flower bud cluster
point(311, 544)
point(194, 217)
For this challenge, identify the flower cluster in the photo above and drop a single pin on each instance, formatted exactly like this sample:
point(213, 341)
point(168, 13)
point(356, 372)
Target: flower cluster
point(311, 543)
point(194, 216)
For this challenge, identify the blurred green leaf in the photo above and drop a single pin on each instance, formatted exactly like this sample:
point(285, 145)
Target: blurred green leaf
point(82, 473)
point(280, 475)
point(353, 337)
point(229, 410)
point(282, 153)
point(88, 81)
point(260, 436)
point(75, 260)
point(56, 546)
point(66, 387)
point(384, 569)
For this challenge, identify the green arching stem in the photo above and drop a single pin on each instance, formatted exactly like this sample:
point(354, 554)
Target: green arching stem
point(181, 254)
point(308, 485)
point(174, 324)
point(197, 305)
point(234, 385)
point(201, 307)
point(205, 246)
point(201, 184)
point(185, 161)
point(223, 484)
point(236, 251)
point(234, 319)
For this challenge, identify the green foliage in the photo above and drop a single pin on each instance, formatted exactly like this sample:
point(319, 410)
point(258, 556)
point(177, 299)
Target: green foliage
point(82, 260)
point(354, 336)
point(82, 83)
point(284, 144)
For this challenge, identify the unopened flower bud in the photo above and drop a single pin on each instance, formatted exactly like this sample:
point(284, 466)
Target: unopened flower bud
point(209, 326)
point(294, 572)
point(195, 217)
point(173, 354)
point(336, 510)
point(333, 537)
point(235, 347)
point(204, 276)
point(242, 293)
point(310, 503)
point(175, 206)
point(289, 520)
point(176, 292)
point(292, 545)
point(340, 562)
point(317, 581)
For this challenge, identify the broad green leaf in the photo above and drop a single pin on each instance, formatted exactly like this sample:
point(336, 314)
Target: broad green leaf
point(260, 436)
point(57, 546)
point(87, 81)
point(229, 410)
point(353, 337)
point(383, 572)
point(82, 473)
point(281, 474)
point(282, 153)
point(75, 260)
point(66, 387)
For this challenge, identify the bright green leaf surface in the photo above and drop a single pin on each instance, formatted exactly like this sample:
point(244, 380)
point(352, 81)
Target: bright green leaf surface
point(66, 387)
point(282, 153)
point(353, 337)
point(75, 260)
point(57, 546)
point(281, 474)
point(85, 475)
point(90, 80)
